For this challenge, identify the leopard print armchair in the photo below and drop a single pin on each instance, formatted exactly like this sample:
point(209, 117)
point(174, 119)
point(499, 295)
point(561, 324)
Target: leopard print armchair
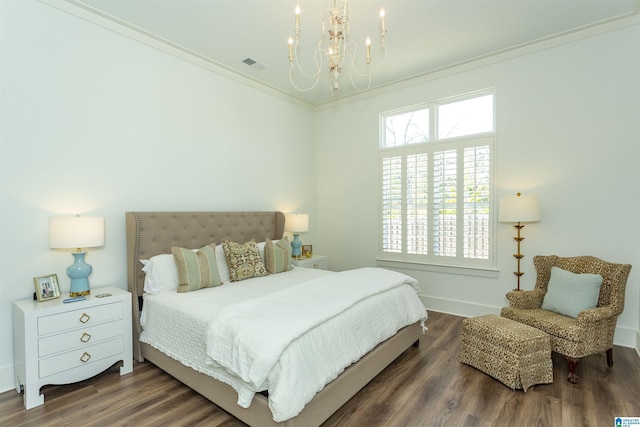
point(592, 331)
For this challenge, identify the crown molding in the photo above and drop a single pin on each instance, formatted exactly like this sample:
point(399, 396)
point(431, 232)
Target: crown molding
point(555, 40)
point(90, 14)
point(109, 22)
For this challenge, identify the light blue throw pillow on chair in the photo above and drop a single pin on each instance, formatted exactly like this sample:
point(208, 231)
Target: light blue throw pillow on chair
point(570, 293)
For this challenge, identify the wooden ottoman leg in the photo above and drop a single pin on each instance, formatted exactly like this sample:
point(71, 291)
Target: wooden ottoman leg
point(610, 357)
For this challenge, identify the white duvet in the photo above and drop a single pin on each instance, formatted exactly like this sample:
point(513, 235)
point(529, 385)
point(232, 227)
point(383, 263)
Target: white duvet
point(308, 326)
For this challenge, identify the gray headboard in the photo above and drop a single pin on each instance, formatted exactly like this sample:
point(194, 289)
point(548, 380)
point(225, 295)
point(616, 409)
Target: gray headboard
point(154, 233)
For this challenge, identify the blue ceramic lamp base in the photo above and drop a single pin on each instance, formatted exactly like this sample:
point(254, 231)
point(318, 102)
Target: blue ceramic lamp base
point(79, 273)
point(296, 247)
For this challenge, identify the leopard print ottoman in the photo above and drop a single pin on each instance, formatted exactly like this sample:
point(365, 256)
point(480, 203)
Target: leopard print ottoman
point(515, 354)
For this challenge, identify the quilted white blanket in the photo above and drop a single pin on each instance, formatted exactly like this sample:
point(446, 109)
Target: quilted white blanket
point(295, 341)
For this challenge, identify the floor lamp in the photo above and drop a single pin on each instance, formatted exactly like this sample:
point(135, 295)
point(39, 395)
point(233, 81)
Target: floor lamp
point(519, 208)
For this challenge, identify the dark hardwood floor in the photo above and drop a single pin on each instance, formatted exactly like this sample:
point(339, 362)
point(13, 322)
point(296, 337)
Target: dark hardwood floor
point(425, 386)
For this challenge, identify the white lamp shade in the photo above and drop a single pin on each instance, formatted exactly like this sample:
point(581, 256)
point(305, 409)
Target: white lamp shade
point(296, 223)
point(76, 232)
point(520, 208)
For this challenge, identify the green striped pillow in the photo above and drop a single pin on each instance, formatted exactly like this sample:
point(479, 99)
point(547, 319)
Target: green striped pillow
point(196, 270)
point(277, 256)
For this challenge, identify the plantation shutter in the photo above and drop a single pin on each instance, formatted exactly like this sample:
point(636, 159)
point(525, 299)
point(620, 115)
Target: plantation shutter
point(417, 204)
point(476, 198)
point(392, 204)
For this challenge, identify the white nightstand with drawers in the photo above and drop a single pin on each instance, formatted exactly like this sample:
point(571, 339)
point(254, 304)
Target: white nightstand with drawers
point(58, 343)
point(316, 261)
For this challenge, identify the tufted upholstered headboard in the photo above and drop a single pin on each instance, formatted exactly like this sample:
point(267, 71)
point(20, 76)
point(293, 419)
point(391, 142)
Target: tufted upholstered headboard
point(154, 233)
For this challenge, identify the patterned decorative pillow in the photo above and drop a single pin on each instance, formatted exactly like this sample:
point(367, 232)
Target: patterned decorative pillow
point(244, 261)
point(277, 256)
point(196, 269)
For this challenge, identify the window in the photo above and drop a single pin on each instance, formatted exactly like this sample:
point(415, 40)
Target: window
point(437, 187)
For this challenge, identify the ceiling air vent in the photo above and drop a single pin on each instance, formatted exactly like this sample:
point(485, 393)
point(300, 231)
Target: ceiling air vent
point(254, 64)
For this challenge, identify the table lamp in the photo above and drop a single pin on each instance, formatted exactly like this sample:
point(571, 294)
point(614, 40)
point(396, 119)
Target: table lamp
point(77, 232)
point(296, 224)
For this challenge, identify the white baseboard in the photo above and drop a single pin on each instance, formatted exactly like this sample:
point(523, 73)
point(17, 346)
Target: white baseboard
point(6, 379)
point(624, 337)
point(457, 308)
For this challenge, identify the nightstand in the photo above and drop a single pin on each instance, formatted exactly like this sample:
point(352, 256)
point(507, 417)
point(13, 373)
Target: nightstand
point(316, 261)
point(58, 343)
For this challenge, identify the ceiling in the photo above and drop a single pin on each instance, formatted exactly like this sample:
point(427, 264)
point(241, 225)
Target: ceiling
point(423, 35)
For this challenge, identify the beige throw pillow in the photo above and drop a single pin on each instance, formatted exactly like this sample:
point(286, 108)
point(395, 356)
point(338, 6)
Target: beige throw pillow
point(196, 270)
point(277, 256)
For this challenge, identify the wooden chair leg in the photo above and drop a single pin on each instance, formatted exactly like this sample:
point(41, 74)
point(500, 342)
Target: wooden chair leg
point(573, 363)
point(610, 357)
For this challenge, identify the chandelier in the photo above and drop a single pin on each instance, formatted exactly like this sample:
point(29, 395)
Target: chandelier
point(335, 46)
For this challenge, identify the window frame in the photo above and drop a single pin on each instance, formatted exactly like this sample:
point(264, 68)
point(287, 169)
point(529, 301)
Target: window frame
point(430, 262)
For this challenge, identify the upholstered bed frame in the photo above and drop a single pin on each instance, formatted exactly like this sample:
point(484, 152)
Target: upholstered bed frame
point(153, 233)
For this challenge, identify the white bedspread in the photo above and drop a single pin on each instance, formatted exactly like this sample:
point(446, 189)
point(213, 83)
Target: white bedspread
point(338, 319)
point(175, 323)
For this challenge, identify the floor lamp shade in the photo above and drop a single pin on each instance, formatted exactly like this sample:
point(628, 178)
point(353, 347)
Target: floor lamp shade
point(77, 233)
point(518, 209)
point(296, 224)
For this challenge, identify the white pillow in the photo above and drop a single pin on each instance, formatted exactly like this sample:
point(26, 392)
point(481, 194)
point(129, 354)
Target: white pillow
point(261, 247)
point(161, 274)
point(223, 268)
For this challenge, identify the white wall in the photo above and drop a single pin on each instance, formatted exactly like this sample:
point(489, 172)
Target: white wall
point(568, 130)
point(95, 123)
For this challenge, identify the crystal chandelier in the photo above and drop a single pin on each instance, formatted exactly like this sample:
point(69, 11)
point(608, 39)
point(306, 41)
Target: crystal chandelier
point(336, 47)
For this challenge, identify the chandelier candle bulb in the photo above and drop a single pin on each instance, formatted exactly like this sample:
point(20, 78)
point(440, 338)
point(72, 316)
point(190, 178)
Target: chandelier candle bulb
point(297, 19)
point(290, 49)
point(368, 42)
point(382, 28)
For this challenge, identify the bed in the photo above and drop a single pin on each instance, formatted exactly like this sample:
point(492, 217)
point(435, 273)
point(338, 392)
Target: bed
point(153, 233)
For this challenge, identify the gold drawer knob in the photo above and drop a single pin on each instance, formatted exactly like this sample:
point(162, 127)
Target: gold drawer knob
point(85, 357)
point(85, 318)
point(85, 337)
point(316, 266)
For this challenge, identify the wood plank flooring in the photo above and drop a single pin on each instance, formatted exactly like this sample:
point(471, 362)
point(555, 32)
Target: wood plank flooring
point(425, 386)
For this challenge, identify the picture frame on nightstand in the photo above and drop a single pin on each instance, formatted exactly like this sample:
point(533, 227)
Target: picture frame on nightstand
point(47, 287)
point(307, 251)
